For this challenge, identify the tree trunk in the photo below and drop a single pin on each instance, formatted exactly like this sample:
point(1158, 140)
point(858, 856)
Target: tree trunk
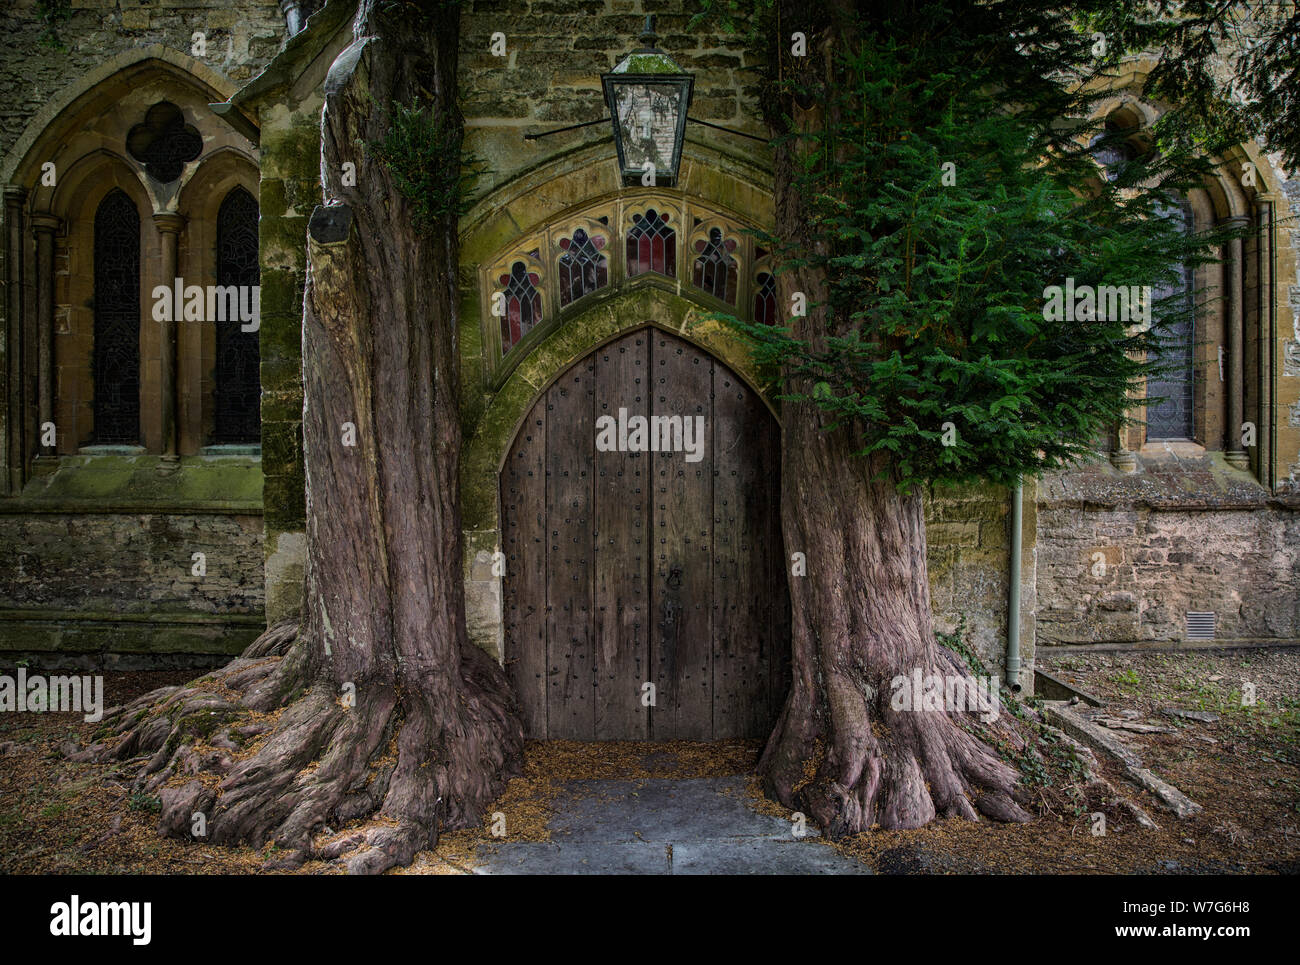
point(382, 706)
point(861, 616)
point(861, 619)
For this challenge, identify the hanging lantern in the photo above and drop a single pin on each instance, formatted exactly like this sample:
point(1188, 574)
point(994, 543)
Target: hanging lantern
point(648, 96)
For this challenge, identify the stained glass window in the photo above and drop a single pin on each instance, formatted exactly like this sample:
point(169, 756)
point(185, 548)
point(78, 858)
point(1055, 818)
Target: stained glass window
point(116, 354)
point(1171, 418)
point(523, 305)
point(715, 269)
point(583, 268)
point(651, 245)
point(765, 299)
point(237, 402)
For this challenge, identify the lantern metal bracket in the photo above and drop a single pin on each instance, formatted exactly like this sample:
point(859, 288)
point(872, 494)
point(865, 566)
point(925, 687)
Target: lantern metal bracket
point(729, 130)
point(561, 130)
point(692, 120)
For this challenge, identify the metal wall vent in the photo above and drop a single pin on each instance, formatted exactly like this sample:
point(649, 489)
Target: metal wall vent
point(1200, 626)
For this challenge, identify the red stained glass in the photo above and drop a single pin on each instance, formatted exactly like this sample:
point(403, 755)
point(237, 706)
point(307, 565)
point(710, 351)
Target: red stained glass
point(651, 245)
point(523, 305)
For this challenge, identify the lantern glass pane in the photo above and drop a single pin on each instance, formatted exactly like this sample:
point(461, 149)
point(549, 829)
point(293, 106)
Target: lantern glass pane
point(647, 118)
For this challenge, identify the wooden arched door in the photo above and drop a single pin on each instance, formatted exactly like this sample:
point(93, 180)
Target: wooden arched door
point(631, 568)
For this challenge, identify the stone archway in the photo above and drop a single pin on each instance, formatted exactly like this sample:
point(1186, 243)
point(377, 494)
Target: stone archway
point(630, 572)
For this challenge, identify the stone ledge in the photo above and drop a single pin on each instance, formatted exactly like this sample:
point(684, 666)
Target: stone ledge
point(1190, 504)
point(65, 638)
point(1164, 482)
point(224, 483)
point(1050, 650)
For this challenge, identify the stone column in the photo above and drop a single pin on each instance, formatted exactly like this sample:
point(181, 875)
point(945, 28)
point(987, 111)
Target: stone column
point(12, 403)
point(169, 228)
point(1121, 457)
point(1234, 271)
point(45, 227)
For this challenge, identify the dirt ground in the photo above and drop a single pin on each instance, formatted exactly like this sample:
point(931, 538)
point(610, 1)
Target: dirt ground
point(1241, 766)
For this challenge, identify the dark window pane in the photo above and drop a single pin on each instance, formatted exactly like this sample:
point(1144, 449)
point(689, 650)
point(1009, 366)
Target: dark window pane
point(765, 300)
point(163, 142)
point(116, 362)
point(238, 398)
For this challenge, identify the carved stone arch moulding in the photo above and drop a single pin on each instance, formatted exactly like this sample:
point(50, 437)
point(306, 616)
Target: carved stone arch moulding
point(600, 322)
point(590, 253)
point(91, 94)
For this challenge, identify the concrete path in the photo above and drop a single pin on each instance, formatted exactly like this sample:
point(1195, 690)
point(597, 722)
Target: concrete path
point(660, 827)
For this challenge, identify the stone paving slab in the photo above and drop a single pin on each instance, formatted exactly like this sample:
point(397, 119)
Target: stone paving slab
point(659, 826)
point(660, 810)
point(575, 858)
point(762, 857)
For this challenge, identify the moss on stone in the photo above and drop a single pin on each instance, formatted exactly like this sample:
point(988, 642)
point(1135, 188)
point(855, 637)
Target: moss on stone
point(271, 198)
point(285, 504)
point(648, 63)
point(284, 374)
point(121, 479)
point(291, 149)
point(280, 293)
point(282, 237)
point(70, 632)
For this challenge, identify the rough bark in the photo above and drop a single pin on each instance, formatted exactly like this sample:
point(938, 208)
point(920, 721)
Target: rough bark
point(376, 706)
point(860, 619)
point(861, 616)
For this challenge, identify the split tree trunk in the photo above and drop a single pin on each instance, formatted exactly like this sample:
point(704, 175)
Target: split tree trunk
point(861, 616)
point(383, 706)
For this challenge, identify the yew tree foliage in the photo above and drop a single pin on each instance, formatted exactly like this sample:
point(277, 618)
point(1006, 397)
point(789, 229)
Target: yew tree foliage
point(933, 311)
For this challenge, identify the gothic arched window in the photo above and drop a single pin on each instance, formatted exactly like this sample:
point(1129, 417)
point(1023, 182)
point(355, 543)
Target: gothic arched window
point(715, 269)
point(238, 393)
point(1172, 417)
point(583, 269)
point(523, 305)
point(116, 355)
point(651, 245)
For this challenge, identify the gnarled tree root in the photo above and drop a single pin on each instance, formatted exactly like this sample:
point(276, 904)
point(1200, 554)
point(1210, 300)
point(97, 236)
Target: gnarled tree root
point(852, 763)
point(258, 753)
